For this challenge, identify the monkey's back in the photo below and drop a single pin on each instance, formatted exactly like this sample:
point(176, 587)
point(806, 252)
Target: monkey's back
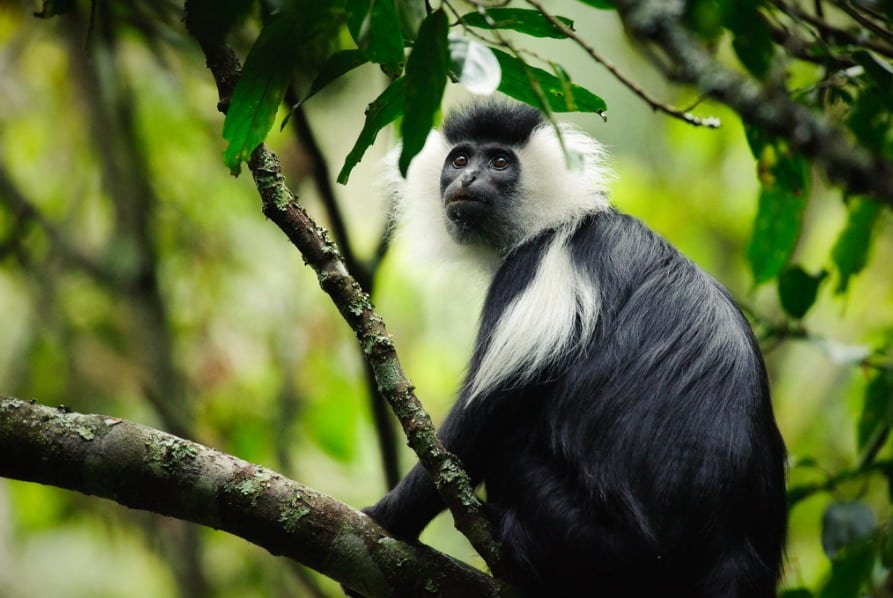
point(655, 453)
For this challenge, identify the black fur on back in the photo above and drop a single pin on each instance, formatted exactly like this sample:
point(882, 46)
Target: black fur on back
point(510, 124)
point(650, 464)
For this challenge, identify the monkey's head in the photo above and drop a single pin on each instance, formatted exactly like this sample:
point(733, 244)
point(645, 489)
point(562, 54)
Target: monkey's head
point(497, 174)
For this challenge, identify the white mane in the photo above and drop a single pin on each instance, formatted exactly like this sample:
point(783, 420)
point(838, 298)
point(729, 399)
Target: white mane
point(559, 186)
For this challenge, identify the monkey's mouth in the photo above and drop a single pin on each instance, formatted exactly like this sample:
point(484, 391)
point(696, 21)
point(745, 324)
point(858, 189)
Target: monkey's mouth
point(465, 208)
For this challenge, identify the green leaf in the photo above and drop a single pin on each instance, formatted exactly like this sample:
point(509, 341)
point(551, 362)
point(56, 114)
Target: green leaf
point(600, 4)
point(871, 121)
point(561, 96)
point(845, 524)
point(850, 252)
point(796, 593)
point(426, 75)
point(878, 71)
point(337, 65)
point(375, 27)
point(475, 65)
point(704, 18)
point(522, 20)
point(850, 570)
point(752, 38)
point(797, 290)
point(788, 170)
point(384, 110)
point(756, 141)
point(877, 412)
point(260, 89)
point(775, 232)
point(782, 201)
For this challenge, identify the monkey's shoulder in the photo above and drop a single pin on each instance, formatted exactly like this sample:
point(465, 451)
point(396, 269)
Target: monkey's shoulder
point(642, 276)
point(620, 251)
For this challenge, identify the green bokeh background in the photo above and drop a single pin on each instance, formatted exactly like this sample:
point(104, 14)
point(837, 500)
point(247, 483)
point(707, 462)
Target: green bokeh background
point(273, 373)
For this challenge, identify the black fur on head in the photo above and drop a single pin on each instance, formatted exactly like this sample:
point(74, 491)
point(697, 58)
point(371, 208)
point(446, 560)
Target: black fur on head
point(510, 124)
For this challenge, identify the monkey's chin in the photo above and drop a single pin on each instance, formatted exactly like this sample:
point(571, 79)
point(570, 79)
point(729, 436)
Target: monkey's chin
point(466, 211)
point(464, 224)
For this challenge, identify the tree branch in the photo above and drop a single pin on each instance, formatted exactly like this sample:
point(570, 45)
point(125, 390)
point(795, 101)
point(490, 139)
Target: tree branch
point(364, 273)
point(321, 254)
point(147, 469)
point(769, 110)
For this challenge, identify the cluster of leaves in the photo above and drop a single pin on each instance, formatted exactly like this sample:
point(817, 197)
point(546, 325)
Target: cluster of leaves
point(847, 80)
point(835, 60)
point(414, 49)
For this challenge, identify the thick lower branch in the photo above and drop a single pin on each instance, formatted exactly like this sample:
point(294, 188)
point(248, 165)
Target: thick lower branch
point(143, 468)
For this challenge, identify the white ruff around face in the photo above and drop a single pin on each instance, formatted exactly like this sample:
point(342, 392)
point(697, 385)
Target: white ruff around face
point(558, 187)
point(418, 210)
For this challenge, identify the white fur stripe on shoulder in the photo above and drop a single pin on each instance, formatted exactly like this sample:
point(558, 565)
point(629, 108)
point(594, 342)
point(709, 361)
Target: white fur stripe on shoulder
point(539, 325)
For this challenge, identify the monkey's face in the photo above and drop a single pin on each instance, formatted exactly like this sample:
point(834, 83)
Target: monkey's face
point(478, 184)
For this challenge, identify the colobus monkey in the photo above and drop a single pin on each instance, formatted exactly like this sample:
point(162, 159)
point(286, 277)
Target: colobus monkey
point(616, 406)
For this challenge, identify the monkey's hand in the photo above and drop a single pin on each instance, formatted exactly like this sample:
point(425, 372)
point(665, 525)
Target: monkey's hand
point(397, 522)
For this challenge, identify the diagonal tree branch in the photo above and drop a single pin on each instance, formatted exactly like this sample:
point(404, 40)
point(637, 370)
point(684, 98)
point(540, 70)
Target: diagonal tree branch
point(364, 272)
point(26, 212)
point(321, 254)
point(147, 469)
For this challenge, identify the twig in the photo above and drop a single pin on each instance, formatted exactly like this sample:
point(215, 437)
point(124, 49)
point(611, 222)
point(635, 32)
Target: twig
point(796, 13)
point(800, 48)
point(865, 22)
point(710, 122)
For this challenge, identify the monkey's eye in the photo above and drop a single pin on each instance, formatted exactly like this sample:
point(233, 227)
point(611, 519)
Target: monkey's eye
point(460, 161)
point(499, 162)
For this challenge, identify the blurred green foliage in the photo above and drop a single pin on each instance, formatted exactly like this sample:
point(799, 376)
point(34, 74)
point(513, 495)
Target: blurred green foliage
point(138, 279)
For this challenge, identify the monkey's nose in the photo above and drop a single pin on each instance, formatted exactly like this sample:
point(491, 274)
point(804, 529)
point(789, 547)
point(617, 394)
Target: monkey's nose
point(469, 177)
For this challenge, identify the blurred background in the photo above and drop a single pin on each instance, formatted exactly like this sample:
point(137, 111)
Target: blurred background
point(139, 279)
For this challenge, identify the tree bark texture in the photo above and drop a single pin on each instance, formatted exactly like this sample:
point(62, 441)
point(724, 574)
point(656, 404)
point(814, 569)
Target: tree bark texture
point(143, 468)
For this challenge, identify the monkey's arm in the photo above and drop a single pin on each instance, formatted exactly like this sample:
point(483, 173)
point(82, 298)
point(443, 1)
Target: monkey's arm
point(407, 509)
point(472, 427)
